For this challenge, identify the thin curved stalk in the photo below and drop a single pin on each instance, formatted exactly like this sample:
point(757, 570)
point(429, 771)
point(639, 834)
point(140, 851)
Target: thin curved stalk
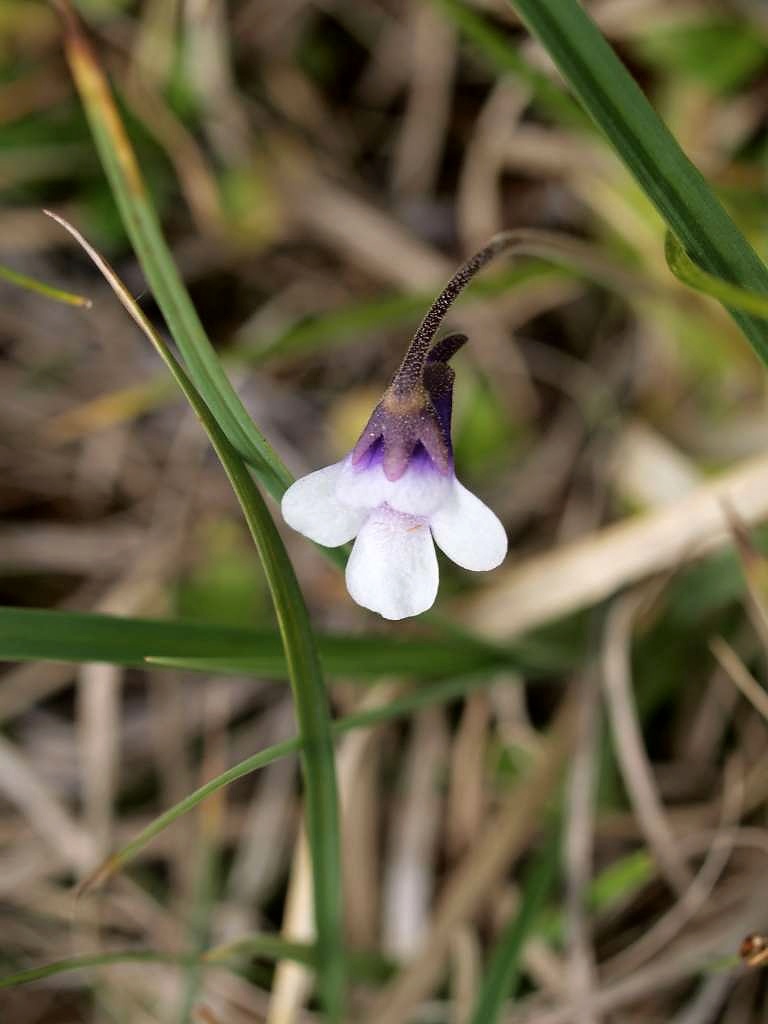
point(304, 672)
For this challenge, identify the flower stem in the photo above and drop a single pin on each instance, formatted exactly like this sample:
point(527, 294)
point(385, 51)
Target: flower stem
point(409, 374)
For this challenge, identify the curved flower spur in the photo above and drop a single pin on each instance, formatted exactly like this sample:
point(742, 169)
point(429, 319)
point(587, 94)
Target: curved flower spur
point(396, 492)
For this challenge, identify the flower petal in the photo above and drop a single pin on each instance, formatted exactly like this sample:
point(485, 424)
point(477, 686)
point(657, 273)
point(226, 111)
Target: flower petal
point(418, 492)
point(310, 506)
point(393, 567)
point(468, 532)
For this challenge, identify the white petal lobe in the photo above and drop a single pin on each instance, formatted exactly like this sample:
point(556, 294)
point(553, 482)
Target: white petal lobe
point(311, 507)
point(393, 567)
point(468, 531)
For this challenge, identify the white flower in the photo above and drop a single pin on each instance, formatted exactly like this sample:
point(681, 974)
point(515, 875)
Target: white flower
point(393, 567)
point(396, 492)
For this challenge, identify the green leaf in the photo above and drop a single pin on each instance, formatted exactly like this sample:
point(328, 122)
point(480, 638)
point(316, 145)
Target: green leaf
point(143, 228)
point(621, 880)
point(29, 634)
point(30, 284)
point(503, 971)
point(345, 325)
point(267, 946)
point(365, 965)
point(675, 187)
point(495, 47)
point(86, 960)
point(304, 672)
point(123, 856)
point(544, 255)
point(420, 697)
point(614, 886)
point(685, 270)
point(264, 947)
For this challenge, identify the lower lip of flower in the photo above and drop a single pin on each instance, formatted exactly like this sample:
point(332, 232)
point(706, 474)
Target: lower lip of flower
point(393, 567)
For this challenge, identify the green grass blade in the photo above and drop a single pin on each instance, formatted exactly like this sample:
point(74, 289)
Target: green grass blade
point(31, 634)
point(685, 270)
point(304, 671)
point(143, 228)
point(402, 659)
point(86, 960)
point(364, 965)
point(125, 854)
point(494, 47)
point(202, 903)
point(420, 697)
point(614, 886)
point(370, 966)
point(545, 255)
point(650, 152)
point(341, 326)
point(266, 946)
point(503, 971)
point(31, 284)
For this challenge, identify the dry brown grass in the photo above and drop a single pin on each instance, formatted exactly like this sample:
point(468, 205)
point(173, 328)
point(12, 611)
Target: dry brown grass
point(325, 155)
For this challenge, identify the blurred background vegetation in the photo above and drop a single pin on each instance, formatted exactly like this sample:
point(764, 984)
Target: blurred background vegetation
point(320, 168)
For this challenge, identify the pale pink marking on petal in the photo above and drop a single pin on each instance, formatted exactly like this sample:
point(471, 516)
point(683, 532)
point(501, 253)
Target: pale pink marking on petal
point(393, 567)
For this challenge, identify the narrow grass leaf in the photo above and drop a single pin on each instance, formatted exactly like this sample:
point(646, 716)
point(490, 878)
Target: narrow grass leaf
point(649, 150)
point(494, 47)
point(122, 405)
point(79, 963)
point(202, 902)
point(685, 270)
point(552, 256)
point(503, 971)
point(420, 697)
point(28, 634)
point(341, 326)
point(31, 284)
point(143, 228)
point(266, 946)
point(366, 966)
point(401, 660)
point(304, 671)
point(612, 888)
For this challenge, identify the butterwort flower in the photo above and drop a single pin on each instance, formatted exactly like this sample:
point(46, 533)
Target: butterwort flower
point(396, 492)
